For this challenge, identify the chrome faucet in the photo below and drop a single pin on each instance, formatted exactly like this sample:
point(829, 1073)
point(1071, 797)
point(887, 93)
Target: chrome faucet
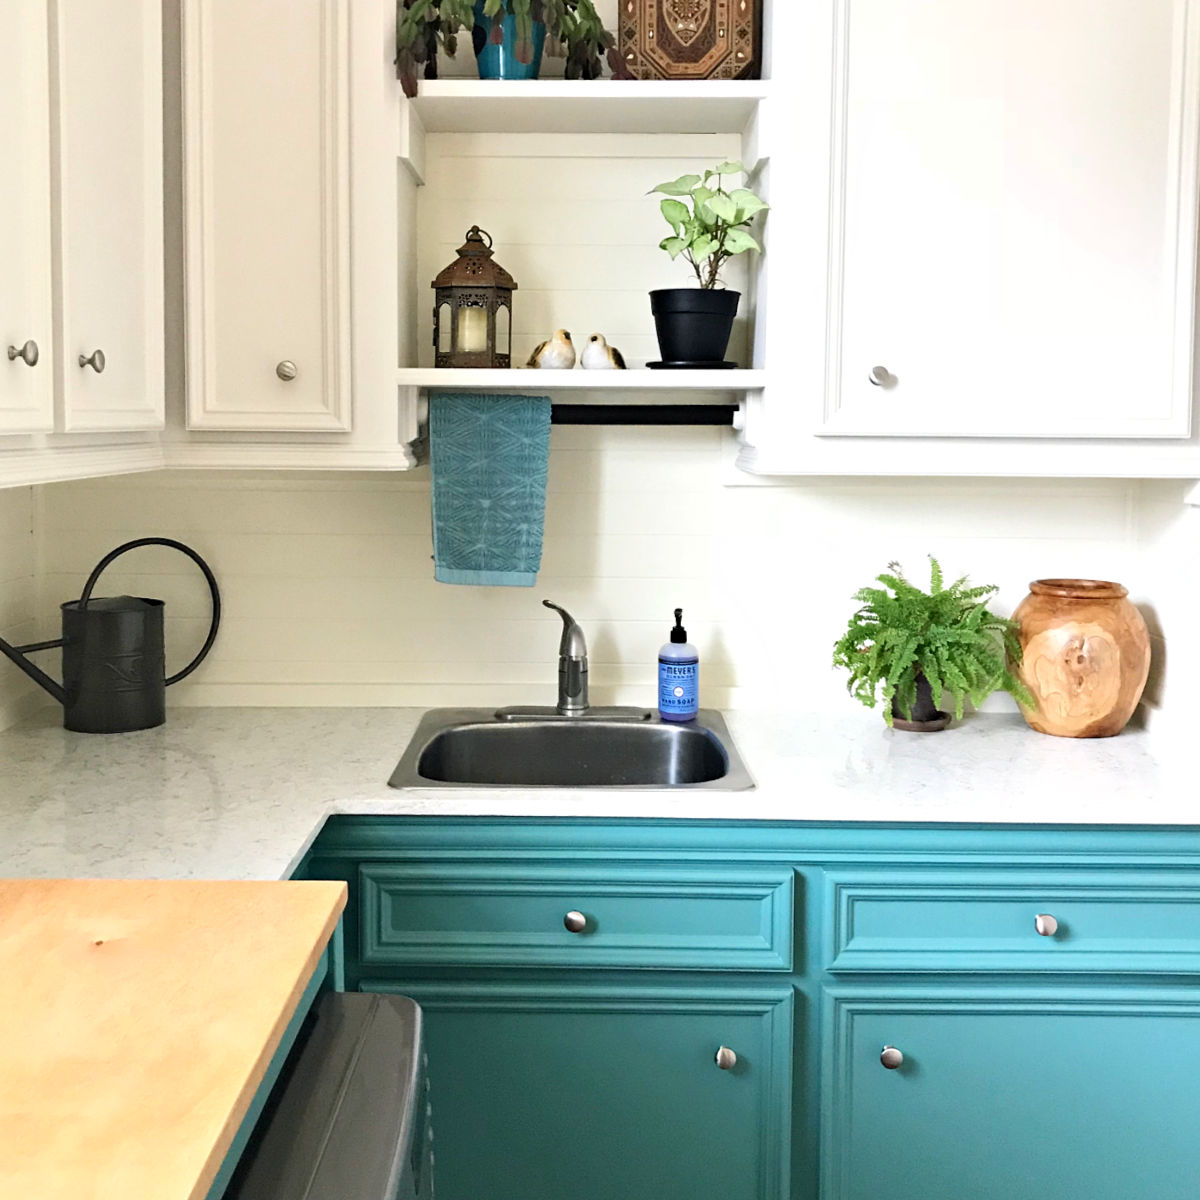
point(572, 666)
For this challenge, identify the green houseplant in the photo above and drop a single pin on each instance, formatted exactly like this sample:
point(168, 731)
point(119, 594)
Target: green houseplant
point(507, 36)
point(918, 644)
point(710, 224)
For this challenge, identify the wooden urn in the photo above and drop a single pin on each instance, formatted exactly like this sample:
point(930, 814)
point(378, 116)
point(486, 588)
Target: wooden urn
point(1086, 656)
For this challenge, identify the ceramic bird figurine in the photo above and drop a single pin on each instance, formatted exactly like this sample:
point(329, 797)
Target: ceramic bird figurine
point(558, 354)
point(598, 355)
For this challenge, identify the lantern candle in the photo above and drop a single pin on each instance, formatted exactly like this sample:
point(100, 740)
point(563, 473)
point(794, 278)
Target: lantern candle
point(472, 330)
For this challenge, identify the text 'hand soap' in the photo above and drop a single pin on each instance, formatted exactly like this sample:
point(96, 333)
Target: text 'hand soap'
point(678, 676)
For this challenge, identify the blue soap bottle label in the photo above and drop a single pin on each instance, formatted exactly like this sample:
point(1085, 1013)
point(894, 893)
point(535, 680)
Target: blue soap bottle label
point(678, 688)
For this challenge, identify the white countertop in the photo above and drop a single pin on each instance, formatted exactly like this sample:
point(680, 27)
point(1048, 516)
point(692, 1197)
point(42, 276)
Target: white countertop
point(239, 793)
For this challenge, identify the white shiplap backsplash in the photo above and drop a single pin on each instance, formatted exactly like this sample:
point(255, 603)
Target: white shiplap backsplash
point(18, 598)
point(330, 597)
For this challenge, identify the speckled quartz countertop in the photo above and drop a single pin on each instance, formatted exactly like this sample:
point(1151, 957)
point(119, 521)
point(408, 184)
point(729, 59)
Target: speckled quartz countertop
point(239, 793)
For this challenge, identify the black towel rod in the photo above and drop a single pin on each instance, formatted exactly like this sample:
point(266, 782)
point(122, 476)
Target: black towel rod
point(642, 414)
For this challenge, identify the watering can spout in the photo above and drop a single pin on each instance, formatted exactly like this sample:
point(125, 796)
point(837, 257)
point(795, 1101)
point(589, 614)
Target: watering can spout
point(16, 655)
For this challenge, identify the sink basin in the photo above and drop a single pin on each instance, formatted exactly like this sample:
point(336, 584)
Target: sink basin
point(475, 747)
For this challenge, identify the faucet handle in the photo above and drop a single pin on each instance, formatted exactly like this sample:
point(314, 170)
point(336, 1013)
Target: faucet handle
point(573, 644)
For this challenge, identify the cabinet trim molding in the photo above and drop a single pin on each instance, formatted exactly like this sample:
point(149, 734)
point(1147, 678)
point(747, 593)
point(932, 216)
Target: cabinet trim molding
point(205, 408)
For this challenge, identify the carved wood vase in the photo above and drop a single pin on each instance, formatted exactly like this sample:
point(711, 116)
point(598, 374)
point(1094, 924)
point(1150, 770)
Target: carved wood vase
point(1086, 656)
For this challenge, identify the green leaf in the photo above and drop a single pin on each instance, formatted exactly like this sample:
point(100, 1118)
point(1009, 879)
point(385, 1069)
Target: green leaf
point(703, 246)
point(675, 213)
point(729, 168)
point(674, 246)
point(748, 204)
point(738, 241)
point(491, 7)
point(678, 187)
point(724, 207)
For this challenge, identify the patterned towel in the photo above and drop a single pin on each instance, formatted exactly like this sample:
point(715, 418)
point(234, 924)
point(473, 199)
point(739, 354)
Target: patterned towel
point(490, 455)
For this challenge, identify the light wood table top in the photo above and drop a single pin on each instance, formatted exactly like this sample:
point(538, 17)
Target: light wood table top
point(137, 1019)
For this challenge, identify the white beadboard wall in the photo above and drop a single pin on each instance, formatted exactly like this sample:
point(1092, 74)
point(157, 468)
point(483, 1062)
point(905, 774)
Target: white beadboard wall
point(19, 614)
point(571, 220)
point(330, 597)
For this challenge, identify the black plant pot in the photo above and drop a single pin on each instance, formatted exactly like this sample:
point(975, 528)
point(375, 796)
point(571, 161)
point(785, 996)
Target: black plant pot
point(926, 717)
point(694, 324)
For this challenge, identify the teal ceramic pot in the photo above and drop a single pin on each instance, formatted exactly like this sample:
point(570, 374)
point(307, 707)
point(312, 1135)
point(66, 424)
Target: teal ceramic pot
point(500, 61)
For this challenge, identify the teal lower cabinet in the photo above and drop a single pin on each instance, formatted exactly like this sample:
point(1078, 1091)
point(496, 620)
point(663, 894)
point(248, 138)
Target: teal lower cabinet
point(995, 1095)
point(690, 1010)
point(601, 1093)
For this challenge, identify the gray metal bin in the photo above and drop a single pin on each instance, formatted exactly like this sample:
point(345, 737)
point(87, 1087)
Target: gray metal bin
point(349, 1117)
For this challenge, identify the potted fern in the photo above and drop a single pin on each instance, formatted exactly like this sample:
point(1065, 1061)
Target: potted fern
point(918, 645)
point(710, 224)
point(508, 36)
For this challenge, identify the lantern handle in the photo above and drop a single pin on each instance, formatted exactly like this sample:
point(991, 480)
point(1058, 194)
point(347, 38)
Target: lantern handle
point(481, 232)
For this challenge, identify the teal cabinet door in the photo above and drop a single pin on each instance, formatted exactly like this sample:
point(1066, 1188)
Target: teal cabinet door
point(1000, 1097)
point(591, 1093)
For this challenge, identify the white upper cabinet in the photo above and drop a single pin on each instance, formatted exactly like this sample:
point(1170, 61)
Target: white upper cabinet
point(26, 331)
point(110, 162)
point(1013, 240)
point(266, 113)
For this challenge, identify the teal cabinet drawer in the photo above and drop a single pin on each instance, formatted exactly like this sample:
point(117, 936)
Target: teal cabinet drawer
point(1111, 921)
point(703, 917)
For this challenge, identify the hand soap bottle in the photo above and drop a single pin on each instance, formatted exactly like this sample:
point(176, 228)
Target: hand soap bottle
point(678, 676)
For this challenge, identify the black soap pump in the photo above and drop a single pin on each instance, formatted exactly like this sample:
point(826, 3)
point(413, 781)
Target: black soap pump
point(678, 676)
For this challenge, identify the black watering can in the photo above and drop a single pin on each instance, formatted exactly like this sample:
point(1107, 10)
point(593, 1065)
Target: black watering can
point(113, 662)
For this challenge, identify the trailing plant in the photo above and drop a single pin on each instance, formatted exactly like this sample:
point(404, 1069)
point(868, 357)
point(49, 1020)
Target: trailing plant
point(716, 226)
point(946, 634)
point(571, 25)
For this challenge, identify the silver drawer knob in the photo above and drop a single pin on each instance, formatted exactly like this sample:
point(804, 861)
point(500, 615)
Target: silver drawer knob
point(891, 1058)
point(880, 376)
point(1045, 924)
point(28, 353)
point(725, 1058)
point(95, 360)
point(286, 370)
point(575, 921)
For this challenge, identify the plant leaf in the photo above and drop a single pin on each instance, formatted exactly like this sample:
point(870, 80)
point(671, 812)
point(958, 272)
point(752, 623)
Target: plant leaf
point(674, 246)
point(738, 241)
point(703, 246)
point(748, 204)
point(676, 214)
point(724, 207)
point(678, 187)
point(729, 168)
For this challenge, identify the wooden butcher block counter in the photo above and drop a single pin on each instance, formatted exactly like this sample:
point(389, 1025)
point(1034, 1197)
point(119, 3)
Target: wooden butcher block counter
point(137, 1019)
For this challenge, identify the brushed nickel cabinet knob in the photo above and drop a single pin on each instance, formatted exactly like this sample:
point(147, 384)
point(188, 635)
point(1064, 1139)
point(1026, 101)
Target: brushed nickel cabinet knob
point(880, 376)
point(95, 360)
point(891, 1058)
point(725, 1058)
point(286, 370)
point(28, 353)
point(575, 921)
point(1045, 924)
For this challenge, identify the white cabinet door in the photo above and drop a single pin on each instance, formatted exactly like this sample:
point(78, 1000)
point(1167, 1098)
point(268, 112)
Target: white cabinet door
point(267, 180)
point(1014, 218)
point(26, 329)
point(109, 90)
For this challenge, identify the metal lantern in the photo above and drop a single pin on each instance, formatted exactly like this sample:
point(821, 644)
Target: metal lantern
point(472, 315)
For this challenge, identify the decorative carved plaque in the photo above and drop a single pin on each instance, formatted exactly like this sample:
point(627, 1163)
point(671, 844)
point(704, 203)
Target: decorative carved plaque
point(691, 39)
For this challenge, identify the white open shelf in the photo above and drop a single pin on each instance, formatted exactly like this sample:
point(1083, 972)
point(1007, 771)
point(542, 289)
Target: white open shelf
point(587, 106)
point(525, 380)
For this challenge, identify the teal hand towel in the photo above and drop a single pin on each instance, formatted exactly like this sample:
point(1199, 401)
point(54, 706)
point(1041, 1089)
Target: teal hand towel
point(490, 455)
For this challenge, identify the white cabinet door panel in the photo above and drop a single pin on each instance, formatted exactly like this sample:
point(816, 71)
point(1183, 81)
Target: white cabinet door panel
point(1014, 218)
point(267, 130)
point(110, 189)
point(26, 392)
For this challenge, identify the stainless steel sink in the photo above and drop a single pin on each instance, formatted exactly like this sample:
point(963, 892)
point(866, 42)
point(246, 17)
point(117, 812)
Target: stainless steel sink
point(614, 748)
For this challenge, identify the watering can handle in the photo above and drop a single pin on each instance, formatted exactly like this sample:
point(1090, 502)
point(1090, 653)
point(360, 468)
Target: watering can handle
point(208, 575)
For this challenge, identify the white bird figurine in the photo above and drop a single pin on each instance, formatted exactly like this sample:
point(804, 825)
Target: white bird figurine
point(558, 354)
point(598, 355)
